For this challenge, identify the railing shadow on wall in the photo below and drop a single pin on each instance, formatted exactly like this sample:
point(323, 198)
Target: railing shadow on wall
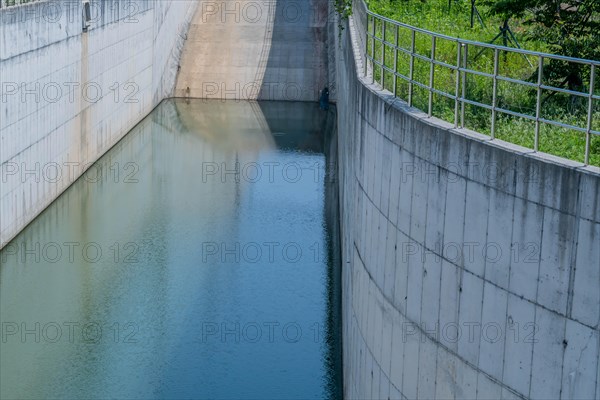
point(390, 59)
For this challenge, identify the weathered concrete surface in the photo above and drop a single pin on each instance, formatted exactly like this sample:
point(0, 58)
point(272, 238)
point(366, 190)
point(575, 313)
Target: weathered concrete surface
point(68, 96)
point(471, 268)
point(267, 50)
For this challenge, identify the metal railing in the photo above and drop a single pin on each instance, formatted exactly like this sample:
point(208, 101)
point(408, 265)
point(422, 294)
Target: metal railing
point(375, 32)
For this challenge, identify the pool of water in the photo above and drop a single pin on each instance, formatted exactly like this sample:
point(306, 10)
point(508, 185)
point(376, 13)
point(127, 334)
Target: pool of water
point(197, 259)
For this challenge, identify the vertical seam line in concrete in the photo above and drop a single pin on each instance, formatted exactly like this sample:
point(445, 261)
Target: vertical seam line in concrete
point(574, 246)
point(512, 236)
point(537, 290)
point(483, 278)
point(390, 226)
point(487, 231)
point(572, 270)
point(405, 300)
point(443, 240)
point(419, 327)
point(389, 183)
point(439, 289)
point(395, 147)
point(462, 269)
point(153, 46)
point(398, 149)
point(423, 272)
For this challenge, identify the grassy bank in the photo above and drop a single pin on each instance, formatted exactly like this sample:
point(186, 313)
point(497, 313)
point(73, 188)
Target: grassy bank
point(435, 15)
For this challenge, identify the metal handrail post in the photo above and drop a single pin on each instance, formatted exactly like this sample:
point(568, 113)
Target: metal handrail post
point(495, 91)
point(431, 76)
point(538, 107)
point(383, 54)
point(366, 60)
point(373, 51)
point(588, 134)
point(464, 85)
point(412, 68)
point(396, 62)
point(457, 88)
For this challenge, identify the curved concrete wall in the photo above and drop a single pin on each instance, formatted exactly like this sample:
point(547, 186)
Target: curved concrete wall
point(471, 268)
point(247, 49)
point(67, 96)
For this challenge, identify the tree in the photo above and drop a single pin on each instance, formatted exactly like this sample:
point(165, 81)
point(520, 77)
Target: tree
point(570, 27)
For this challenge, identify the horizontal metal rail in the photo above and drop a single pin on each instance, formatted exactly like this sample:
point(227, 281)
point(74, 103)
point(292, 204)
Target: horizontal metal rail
point(375, 33)
point(480, 44)
point(12, 3)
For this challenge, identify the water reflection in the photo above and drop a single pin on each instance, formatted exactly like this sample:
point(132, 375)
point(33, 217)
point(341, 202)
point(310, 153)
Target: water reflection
point(197, 259)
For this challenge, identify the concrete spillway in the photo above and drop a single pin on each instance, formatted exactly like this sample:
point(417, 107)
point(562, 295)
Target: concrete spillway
point(272, 50)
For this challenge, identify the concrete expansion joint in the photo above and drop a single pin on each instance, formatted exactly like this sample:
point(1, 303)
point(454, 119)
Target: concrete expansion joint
point(465, 270)
point(423, 332)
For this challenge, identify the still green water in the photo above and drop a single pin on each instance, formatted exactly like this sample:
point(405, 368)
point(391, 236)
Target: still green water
point(197, 259)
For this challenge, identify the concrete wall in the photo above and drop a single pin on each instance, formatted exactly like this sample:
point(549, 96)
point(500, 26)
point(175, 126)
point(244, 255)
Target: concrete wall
point(68, 96)
point(267, 50)
point(471, 269)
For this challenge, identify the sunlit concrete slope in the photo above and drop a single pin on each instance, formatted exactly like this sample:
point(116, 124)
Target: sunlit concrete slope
point(271, 50)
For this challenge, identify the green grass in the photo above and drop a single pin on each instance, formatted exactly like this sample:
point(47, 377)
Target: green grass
point(434, 15)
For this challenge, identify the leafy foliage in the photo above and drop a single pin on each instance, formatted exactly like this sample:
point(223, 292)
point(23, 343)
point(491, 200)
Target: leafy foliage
point(343, 8)
point(569, 27)
point(434, 15)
